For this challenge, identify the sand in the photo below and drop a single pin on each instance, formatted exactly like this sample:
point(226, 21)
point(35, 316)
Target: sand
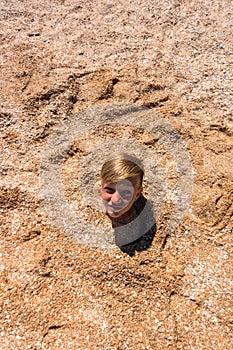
point(63, 65)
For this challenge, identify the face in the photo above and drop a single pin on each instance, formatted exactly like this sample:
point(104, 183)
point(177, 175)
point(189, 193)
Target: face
point(119, 197)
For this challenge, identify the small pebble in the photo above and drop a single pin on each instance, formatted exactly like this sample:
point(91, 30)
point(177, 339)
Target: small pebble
point(34, 34)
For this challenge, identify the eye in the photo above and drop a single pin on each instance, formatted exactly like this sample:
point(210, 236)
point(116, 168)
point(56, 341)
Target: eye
point(109, 190)
point(126, 194)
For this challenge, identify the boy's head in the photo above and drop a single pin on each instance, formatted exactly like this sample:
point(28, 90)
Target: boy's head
point(121, 184)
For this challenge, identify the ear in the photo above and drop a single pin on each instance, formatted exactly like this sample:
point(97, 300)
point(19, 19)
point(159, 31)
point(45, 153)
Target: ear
point(139, 192)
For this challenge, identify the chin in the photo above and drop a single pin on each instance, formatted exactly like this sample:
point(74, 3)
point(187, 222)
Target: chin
point(116, 215)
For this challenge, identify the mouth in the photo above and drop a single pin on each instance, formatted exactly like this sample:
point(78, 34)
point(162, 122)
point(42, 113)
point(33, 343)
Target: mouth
point(115, 209)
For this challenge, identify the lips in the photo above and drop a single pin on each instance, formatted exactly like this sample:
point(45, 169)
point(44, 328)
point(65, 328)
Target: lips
point(115, 208)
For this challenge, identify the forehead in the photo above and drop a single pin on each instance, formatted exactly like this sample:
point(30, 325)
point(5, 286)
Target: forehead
point(122, 184)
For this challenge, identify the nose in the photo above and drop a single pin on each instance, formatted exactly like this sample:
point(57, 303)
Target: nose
point(116, 197)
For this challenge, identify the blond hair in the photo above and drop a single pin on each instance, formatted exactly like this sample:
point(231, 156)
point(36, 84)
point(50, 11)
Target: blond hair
point(123, 167)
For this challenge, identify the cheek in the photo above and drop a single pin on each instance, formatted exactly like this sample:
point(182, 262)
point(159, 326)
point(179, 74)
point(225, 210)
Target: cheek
point(130, 204)
point(105, 196)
